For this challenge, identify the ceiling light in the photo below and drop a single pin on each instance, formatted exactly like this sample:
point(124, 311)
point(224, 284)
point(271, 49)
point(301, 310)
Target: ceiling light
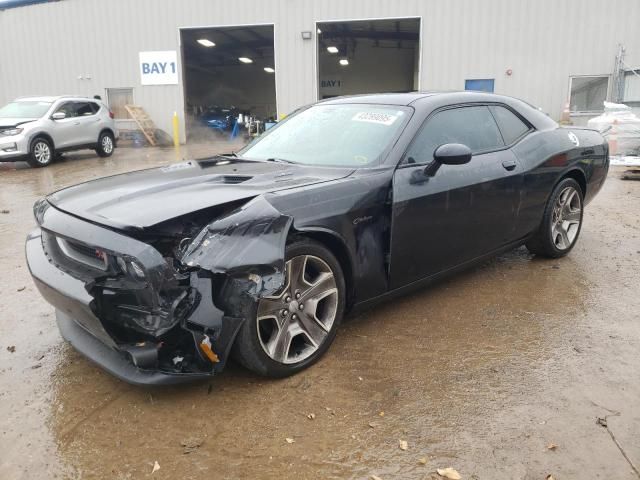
point(245, 60)
point(332, 49)
point(205, 42)
point(269, 69)
point(344, 62)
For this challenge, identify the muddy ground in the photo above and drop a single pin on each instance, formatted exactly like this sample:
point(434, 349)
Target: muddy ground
point(482, 372)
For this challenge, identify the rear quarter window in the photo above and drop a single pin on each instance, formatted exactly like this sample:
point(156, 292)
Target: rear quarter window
point(511, 126)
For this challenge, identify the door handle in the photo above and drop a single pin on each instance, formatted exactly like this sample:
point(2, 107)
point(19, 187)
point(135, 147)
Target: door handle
point(509, 164)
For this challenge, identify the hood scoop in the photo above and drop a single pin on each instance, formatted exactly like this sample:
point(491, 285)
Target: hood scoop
point(230, 179)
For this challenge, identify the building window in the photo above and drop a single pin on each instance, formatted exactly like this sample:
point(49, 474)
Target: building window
point(479, 84)
point(632, 88)
point(588, 93)
point(117, 98)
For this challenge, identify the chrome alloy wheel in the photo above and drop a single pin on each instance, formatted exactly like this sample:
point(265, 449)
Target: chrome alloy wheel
point(294, 324)
point(107, 144)
point(566, 218)
point(42, 152)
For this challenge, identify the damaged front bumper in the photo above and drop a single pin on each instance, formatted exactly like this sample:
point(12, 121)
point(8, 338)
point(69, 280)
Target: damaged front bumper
point(150, 318)
point(161, 328)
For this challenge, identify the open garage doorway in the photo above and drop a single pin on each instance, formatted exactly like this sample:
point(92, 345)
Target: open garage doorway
point(228, 74)
point(368, 56)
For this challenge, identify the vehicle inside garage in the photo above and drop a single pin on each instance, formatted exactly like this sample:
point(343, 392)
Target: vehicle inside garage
point(229, 80)
point(368, 56)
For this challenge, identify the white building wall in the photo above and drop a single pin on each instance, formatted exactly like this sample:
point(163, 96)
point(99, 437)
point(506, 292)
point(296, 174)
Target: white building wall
point(46, 47)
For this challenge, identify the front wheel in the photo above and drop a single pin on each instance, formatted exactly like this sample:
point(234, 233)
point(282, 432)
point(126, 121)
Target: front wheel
point(41, 153)
point(561, 222)
point(292, 329)
point(106, 144)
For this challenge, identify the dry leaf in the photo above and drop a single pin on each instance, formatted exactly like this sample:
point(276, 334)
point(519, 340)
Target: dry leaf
point(549, 477)
point(375, 477)
point(360, 378)
point(423, 461)
point(552, 446)
point(290, 440)
point(403, 445)
point(449, 472)
point(156, 467)
point(372, 425)
point(381, 414)
point(311, 416)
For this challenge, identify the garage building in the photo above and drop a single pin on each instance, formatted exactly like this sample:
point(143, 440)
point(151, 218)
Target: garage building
point(211, 61)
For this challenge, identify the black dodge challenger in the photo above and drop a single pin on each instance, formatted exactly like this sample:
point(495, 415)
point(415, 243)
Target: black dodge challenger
point(162, 275)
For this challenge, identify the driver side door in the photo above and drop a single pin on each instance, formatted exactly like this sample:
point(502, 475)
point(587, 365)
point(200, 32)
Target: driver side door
point(463, 211)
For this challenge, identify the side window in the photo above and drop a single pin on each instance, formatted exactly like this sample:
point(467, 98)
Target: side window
point(511, 126)
point(471, 126)
point(94, 107)
point(84, 109)
point(68, 109)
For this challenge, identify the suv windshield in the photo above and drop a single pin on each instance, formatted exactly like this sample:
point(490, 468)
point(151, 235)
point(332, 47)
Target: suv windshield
point(341, 135)
point(24, 109)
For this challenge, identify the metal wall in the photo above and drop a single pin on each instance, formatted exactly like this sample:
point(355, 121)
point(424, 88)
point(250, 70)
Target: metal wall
point(46, 47)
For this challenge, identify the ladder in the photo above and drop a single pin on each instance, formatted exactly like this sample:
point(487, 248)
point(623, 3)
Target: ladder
point(144, 122)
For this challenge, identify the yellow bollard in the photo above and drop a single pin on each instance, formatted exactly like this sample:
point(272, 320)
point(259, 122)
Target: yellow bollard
point(176, 133)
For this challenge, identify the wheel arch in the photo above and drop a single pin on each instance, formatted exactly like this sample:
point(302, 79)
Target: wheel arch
point(338, 247)
point(579, 176)
point(108, 130)
point(43, 135)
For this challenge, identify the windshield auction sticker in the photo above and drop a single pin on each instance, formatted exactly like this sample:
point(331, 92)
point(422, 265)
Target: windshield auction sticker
point(375, 117)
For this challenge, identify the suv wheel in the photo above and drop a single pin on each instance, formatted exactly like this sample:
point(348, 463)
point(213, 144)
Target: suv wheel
point(41, 153)
point(105, 144)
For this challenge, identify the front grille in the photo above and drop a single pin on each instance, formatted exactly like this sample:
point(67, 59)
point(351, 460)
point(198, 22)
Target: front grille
point(89, 256)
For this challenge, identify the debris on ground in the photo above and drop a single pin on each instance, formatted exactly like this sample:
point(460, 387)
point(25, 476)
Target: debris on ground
point(191, 444)
point(11, 348)
point(37, 365)
point(423, 461)
point(403, 445)
point(549, 477)
point(372, 425)
point(5, 211)
point(156, 467)
point(311, 416)
point(602, 422)
point(290, 440)
point(381, 414)
point(450, 473)
point(21, 289)
point(375, 477)
point(552, 446)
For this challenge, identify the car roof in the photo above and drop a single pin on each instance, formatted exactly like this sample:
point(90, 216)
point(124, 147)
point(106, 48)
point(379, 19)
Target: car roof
point(52, 99)
point(408, 98)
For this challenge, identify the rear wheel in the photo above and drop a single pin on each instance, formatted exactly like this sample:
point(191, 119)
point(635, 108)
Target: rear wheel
point(106, 144)
point(561, 223)
point(292, 329)
point(41, 153)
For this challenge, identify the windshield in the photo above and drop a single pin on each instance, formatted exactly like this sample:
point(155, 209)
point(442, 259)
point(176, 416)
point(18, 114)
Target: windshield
point(339, 135)
point(24, 109)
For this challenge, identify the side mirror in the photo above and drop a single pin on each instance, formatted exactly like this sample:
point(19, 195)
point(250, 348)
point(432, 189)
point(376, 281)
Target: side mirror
point(58, 116)
point(448, 154)
point(452, 154)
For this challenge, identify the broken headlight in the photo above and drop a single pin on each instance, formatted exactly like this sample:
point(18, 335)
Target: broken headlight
point(130, 267)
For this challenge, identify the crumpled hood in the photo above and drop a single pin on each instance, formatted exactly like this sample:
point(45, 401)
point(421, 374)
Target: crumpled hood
point(145, 198)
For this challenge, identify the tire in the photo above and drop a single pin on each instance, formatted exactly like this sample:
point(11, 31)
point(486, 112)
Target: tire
point(106, 144)
point(257, 347)
point(41, 153)
point(561, 222)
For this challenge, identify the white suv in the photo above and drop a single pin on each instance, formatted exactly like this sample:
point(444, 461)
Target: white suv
point(35, 129)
